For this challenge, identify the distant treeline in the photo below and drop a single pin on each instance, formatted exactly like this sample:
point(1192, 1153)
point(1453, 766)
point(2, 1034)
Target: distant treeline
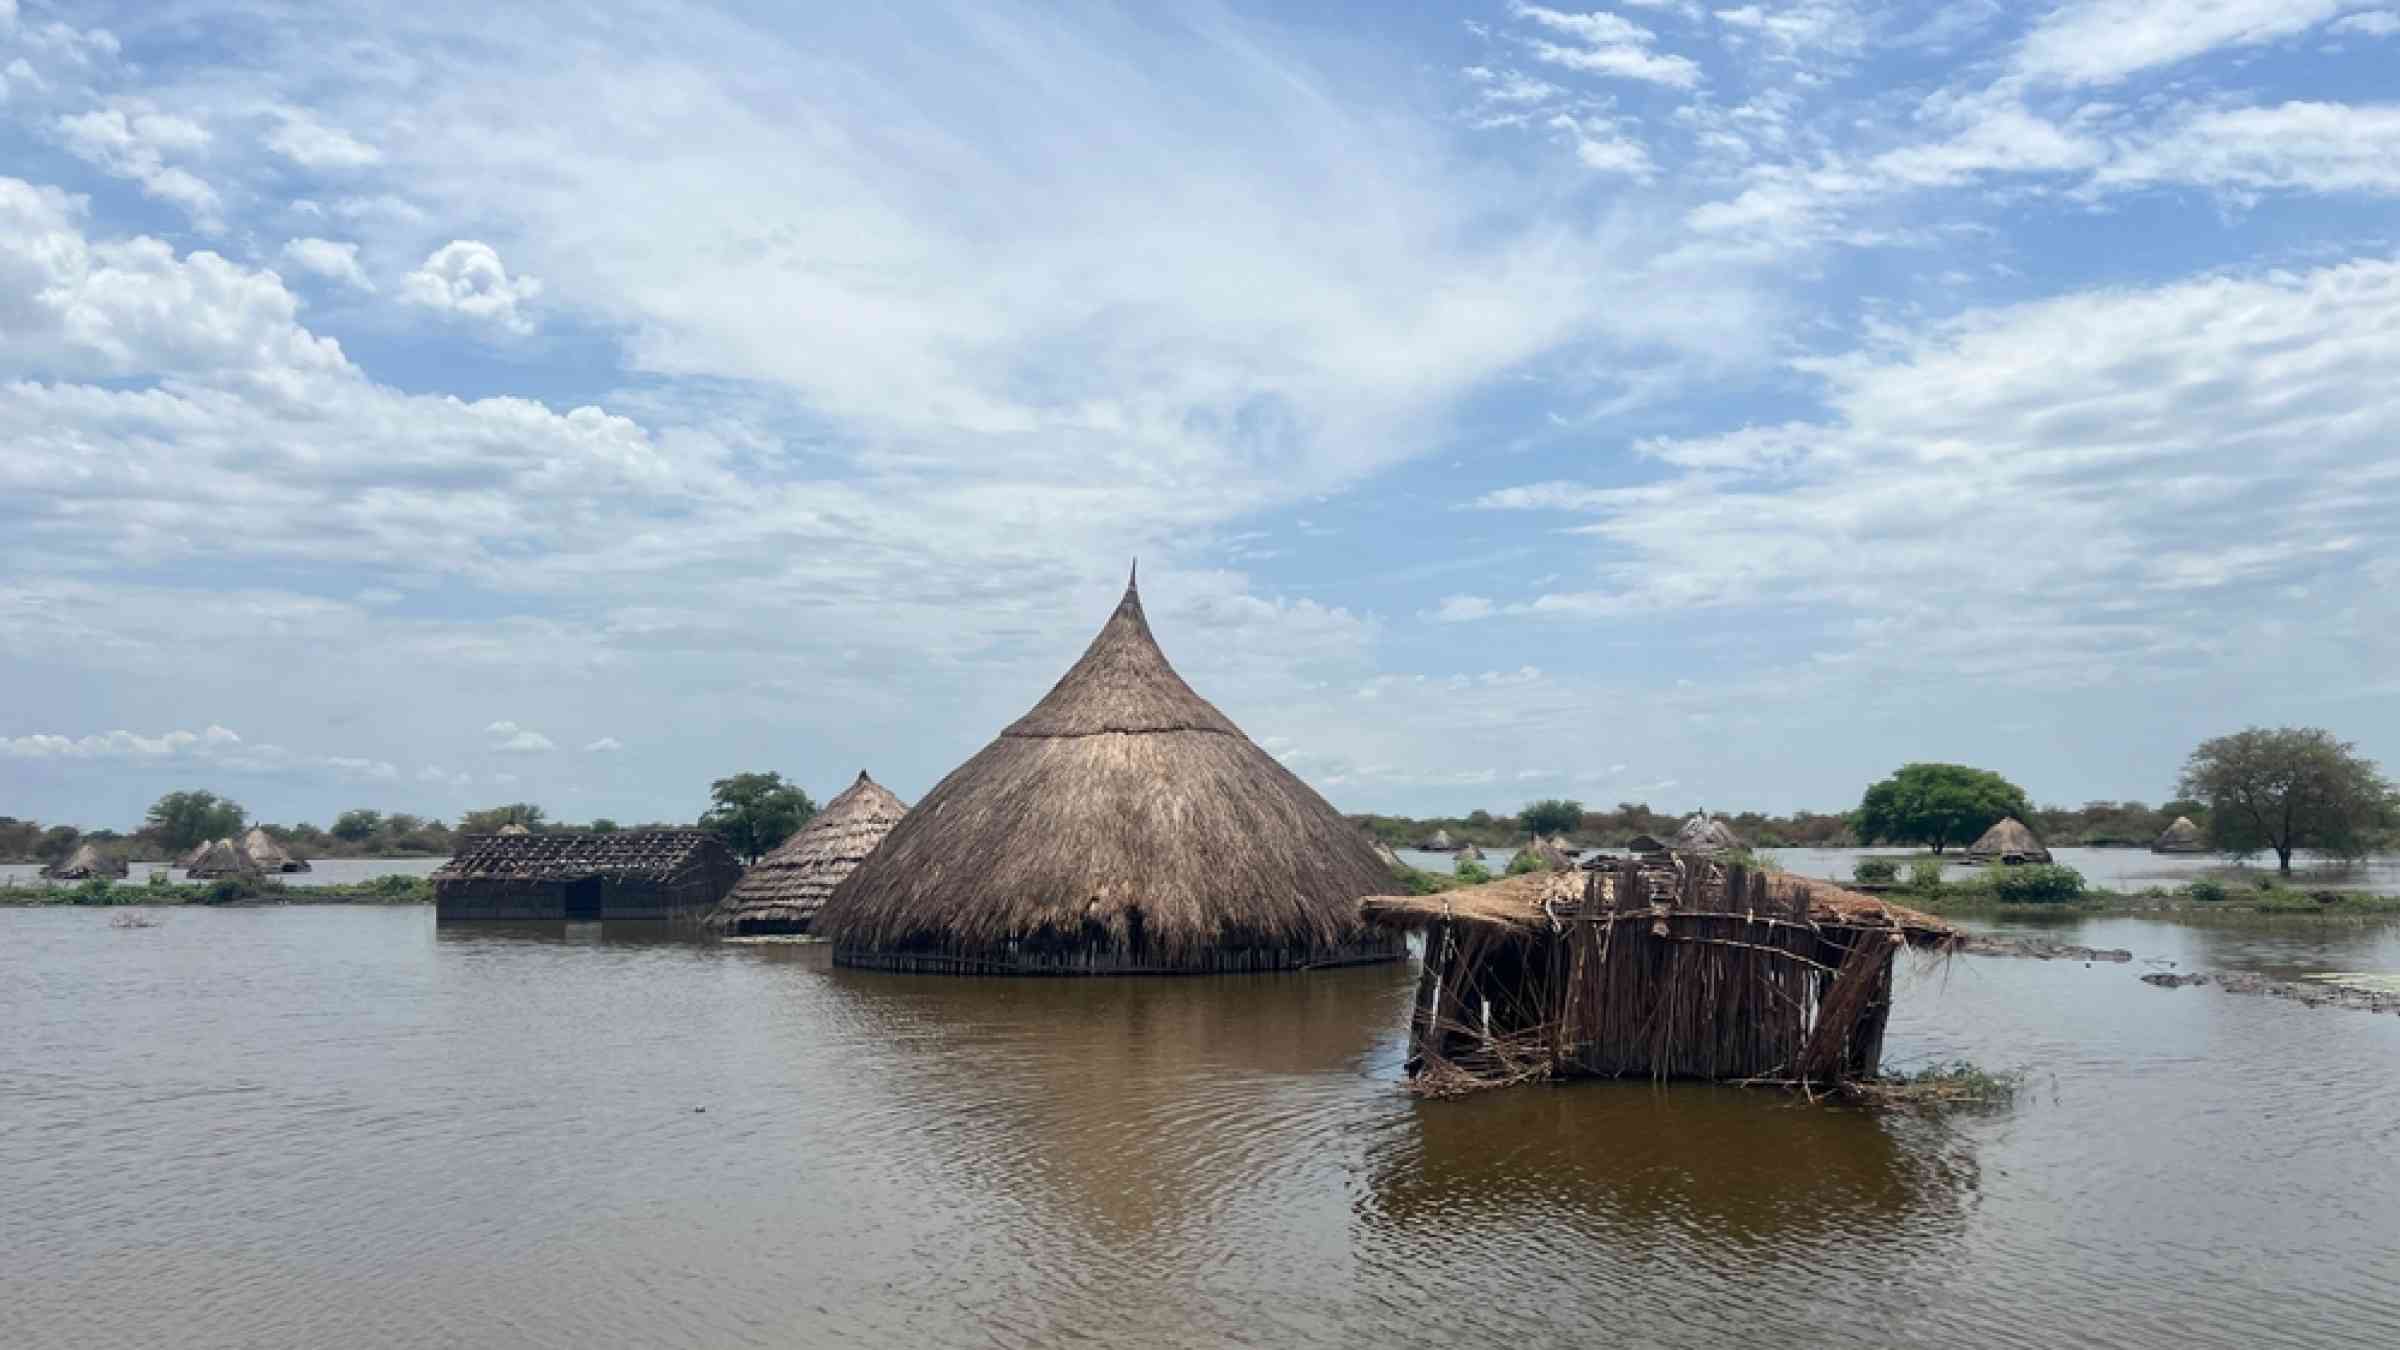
point(353, 834)
point(2093, 824)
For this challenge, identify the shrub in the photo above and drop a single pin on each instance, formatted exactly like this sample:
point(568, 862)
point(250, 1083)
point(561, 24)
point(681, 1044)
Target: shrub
point(2208, 890)
point(1473, 873)
point(1878, 870)
point(1925, 877)
point(1524, 862)
point(2038, 884)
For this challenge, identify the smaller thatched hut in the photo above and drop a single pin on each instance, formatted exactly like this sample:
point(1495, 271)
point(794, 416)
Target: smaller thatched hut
point(2181, 837)
point(1468, 853)
point(2009, 842)
point(192, 856)
point(1645, 843)
point(83, 864)
point(270, 855)
point(1544, 852)
point(224, 858)
point(1559, 842)
point(1704, 834)
point(579, 875)
point(513, 828)
point(782, 892)
point(1437, 842)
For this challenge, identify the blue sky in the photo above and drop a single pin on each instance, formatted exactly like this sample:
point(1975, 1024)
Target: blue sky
point(431, 405)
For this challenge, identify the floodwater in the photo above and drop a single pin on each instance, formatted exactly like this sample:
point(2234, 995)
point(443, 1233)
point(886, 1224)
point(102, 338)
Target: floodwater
point(321, 871)
point(2128, 869)
point(321, 1126)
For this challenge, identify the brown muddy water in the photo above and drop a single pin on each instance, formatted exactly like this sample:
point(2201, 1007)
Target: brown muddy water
point(348, 1127)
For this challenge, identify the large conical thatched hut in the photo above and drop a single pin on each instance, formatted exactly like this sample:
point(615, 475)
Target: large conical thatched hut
point(83, 864)
point(2009, 841)
point(782, 892)
point(1122, 826)
point(1704, 833)
point(1437, 842)
point(224, 858)
point(270, 855)
point(2181, 837)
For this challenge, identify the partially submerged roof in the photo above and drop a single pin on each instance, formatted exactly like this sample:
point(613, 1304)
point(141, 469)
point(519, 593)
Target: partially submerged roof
point(1533, 901)
point(1543, 851)
point(2008, 838)
point(1122, 812)
point(1437, 842)
point(2181, 837)
point(224, 858)
point(627, 855)
point(270, 855)
point(1704, 833)
point(787, 887)
point(85, 862)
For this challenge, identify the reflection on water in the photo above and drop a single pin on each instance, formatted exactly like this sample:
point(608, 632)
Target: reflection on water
point(306, 1127)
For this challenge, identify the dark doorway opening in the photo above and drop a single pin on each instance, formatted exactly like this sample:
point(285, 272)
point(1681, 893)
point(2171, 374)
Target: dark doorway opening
point(583, 899)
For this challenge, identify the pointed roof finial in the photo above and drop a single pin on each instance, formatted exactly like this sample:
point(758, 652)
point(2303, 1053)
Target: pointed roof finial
point(1133, 579)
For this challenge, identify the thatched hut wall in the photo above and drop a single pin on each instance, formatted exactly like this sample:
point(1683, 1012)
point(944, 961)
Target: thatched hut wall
point(639, 875)
point(2181, 837)
point(85, 863)
point(2009, 840)
point(782, 892)
point(1123, 826)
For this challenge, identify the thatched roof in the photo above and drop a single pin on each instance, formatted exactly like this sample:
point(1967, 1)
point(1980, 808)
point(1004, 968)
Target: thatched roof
point(783, 891)
point(1390, 857)
point(1559, 842)
point(84, 863)
point(2009, 840)
point(1543, 851)
point(1704, 833)
point(192, 856)
point(1437, 842)
point(1645, 843)
point(224, 858)
point(569, 855)
point(1531, 900)
point(1124, 819)
point(2181, 837)
point(1469, 853)
point(269, 855)
point(514, 828)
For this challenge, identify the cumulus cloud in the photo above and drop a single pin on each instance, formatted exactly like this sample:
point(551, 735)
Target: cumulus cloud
point(466, 277)
point(509, 738)
point(309, 143)
point(135, 143)
point(1460, 609)
point(2373, 23)
point(1602, 43)
point(331, 259)
point(2103, 41)
point(605, 745)
point(118, 744)
point(2298, 146)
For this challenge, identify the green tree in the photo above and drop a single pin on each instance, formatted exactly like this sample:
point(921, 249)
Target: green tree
point(180, 820)
point(1550, 816)
point(357, 826)
point(1936, 805)
point(2287, 788)
point(755, 811)
point(603, 825)
point(493, 819)
point(56, 843)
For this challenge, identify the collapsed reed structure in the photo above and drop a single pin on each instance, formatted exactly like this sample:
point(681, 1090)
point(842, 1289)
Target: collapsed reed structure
point(1123, 826)
point(2010, 841)
point(1681, 968)
point(2181, 837)
point(577, 875)
point(782, 892)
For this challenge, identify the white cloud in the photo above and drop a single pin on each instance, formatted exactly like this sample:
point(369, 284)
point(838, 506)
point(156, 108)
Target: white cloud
point(375, 770)
point(1601, 146)
point(510, 738)
point(2103, 41)
point(327, 258)
point(605, 745)
point(309, 143)
point(134, 142)
point(118, 745)
point(466, 277)
point(1602, 43)
point(1460, 609)
point(2312, 147)
point(2373, 23)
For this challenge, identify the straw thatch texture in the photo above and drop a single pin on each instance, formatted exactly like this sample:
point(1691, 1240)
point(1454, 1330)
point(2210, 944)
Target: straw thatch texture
point(1469, 853)
point(2009, 841)
point(1704, 833)
point(782, 892)
point(192, 856)
point(83, 864)
point(1559, 842)
point(573, 874)
point(224, 858)
point(1122, 826)
point(2181, 837)
point(1545, 852)
point(1390, 858)
point(269, 855)
point(1681, 968)
point(513, 828)
point(1646, 843)
point(1437, 842)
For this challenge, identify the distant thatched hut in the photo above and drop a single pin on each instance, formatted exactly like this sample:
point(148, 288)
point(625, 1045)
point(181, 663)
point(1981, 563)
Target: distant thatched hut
point(1645, 843)
point(1390, 857)
point(1559, 842)
point(1437, 842)
point(224, 858)
point(1468, 853)
point(1123, 826)
point(782, 892)
point(192, 856)
point(1682, 968)
point(1545, 852)
point(270, 855)
point(85, 863)
point(2010, 842)
point(513, 827)
point(630, 874)
point(1705, 834)
point(2181, 837)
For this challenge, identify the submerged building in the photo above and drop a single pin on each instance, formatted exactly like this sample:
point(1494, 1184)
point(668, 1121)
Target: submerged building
point(2009, 841)
point(269, 855)
point(2181, 837)
point(782, 892)
point(1123, 826)
point(575, 875)
point(85, 863)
